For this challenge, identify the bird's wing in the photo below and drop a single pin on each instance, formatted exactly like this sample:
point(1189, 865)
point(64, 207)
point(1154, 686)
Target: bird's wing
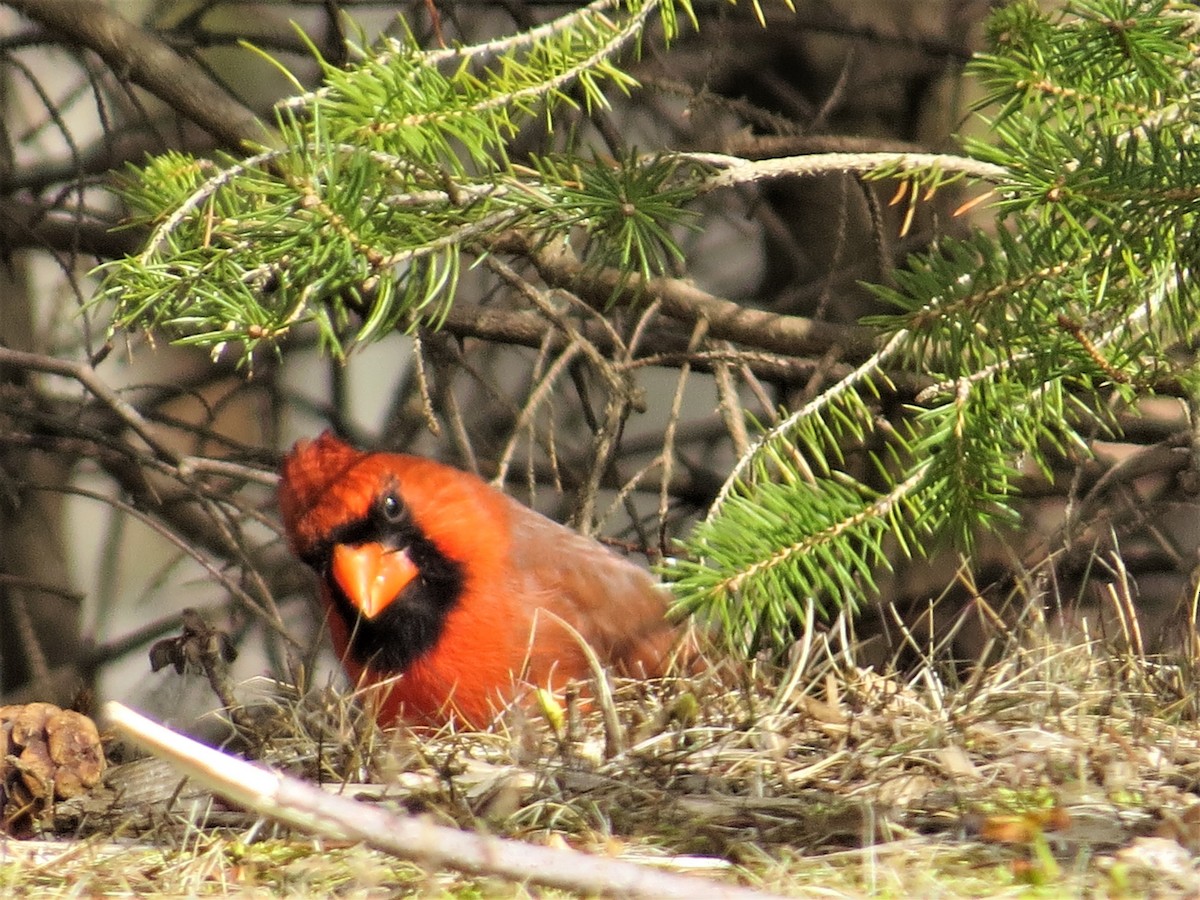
point(615, 605)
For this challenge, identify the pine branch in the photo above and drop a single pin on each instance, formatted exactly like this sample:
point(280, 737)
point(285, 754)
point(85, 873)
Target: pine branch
point(1080, 303)
point(388, 173)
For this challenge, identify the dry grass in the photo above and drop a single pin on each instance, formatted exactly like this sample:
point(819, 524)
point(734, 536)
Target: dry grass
point(1066, 768)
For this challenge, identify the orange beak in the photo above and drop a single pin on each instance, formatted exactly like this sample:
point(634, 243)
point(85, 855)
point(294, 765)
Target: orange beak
point(371, 575)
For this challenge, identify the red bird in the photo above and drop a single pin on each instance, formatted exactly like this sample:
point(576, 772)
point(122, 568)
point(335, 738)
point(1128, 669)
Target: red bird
point(430, 574)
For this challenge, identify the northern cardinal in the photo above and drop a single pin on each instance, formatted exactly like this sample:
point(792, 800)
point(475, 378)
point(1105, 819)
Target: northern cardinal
point(430, 574)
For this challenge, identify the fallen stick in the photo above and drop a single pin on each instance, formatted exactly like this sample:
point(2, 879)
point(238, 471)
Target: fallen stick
point(307, 807)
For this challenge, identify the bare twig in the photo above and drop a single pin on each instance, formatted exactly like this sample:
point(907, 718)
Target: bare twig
point(308, 807)
point(86, 376)
point(668, 455)
point(528, 329)
point(731, 407)
point(682, 300)
point(145, 60)
point(743, 171)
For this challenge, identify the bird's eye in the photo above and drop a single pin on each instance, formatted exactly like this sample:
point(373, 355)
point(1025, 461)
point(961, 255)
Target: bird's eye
point(392, 508)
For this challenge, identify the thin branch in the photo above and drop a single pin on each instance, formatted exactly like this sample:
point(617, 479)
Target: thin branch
point(264, 609)
point(147, 61)
point(736, 170)
point(27, 224)
point(197, 465)
point(727, 320)
point(730, 406)
point(699, 330)
point(86, 376)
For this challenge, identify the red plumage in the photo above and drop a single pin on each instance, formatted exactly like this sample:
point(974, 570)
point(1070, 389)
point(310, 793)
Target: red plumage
point(432, 575)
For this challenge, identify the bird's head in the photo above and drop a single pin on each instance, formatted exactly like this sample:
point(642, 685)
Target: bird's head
point(349, 516)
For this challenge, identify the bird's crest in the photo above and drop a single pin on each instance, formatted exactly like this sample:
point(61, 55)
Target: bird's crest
point(310, 470)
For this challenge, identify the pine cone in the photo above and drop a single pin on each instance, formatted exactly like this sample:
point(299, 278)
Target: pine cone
point(46, 754)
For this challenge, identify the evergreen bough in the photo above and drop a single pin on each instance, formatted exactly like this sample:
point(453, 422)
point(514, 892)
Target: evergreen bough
point(357, 217)
point(1078, 302)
